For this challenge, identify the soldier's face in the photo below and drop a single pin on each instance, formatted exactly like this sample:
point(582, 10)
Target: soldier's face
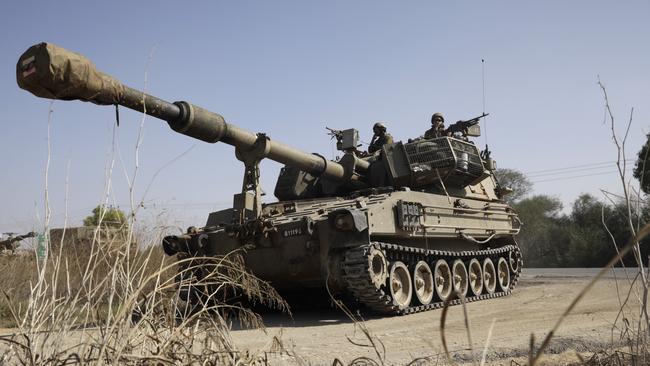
point(437, 122)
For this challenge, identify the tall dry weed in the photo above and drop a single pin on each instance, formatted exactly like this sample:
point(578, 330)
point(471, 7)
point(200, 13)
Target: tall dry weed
point(80, 308)
point(113, 299)
point(632, 324)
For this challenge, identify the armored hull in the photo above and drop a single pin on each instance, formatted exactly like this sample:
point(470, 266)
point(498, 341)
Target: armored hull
point(394, 250)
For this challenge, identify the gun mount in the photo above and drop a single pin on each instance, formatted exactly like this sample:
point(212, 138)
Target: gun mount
point(401, 231)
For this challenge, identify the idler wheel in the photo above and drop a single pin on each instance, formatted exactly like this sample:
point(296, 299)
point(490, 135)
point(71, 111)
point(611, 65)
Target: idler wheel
point(475, 276)
point(460, 277)
point(400, 285)
point(377, 267)
point(513, 260)
point(423, 282)
point(503, 271)
point(489, 276)
point(442, 279)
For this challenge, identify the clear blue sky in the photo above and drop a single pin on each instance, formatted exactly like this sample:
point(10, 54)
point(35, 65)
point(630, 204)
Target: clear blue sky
point(288, 68)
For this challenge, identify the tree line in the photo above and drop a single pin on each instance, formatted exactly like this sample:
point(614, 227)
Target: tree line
point(589, 235)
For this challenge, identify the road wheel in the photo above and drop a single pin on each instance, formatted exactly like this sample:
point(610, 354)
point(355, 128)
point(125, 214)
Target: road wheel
point(514, 261)
point(461, 282)
point(423, 282)
point(489, 276)
point(475, 277)
point(503, 271)
point(400, 285)
point(377, 267)
point(442, 279)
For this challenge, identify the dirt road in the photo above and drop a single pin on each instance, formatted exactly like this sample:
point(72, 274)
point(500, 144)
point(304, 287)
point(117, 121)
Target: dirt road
point(540, 298)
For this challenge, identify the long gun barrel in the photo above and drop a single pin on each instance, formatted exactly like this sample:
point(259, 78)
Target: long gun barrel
point(49, 71)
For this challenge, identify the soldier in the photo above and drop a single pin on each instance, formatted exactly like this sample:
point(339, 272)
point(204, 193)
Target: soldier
point(379, 139)
point(437, 127)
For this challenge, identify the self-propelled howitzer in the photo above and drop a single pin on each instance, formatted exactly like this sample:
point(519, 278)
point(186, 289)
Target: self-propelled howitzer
point(399, 231)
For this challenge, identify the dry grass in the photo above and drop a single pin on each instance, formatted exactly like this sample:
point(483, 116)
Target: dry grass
point(77, 307)
point(106, 300)
point(75, 256)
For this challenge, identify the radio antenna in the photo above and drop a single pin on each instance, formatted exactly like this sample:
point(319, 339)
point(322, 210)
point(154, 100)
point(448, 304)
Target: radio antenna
point(483, 79)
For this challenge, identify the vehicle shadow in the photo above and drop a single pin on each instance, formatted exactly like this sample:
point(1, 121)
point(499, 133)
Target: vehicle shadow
point(310, 309)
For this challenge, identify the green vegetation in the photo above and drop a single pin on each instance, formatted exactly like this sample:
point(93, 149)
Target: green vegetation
point(516, 181)
point(640, 171)
point(584, 237)
point(106, 217)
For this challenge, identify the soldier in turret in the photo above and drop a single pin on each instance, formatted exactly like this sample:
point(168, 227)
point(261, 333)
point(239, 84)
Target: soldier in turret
point(379, 139)
point(437, 127)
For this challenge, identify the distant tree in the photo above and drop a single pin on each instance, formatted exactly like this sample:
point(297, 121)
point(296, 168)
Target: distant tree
point(543, 238)
point(618, 222)
point(107, 217)
point(587, 237)
point(516, 181)
point(588, 211)
point(642, 167)
point(590, 245)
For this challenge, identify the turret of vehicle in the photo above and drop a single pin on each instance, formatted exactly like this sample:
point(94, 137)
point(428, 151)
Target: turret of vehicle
point(402, 230)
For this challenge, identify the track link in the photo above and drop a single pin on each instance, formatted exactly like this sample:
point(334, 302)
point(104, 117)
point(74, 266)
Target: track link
point(356, 270)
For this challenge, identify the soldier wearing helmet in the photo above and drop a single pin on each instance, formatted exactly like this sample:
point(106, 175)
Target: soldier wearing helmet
point(437, 127)
point(379, 138)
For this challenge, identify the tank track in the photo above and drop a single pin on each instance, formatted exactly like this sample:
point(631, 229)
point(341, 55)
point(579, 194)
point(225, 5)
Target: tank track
point(360, 285)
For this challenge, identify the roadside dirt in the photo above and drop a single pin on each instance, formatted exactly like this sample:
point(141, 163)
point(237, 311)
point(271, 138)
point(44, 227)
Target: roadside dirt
point(320, 337)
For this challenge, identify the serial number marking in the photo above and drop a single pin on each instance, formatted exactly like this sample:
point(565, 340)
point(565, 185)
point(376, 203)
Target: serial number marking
point(292, 232)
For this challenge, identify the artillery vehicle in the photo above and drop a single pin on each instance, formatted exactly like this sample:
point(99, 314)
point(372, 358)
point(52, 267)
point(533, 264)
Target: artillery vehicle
point(13, 240)
point(419, 224)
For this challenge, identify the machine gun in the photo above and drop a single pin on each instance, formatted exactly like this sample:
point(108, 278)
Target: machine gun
point(467, 128)
point(335, 134)
point(346, 140)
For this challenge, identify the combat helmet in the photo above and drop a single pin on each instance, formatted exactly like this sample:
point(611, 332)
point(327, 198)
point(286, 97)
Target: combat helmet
point(437, 114)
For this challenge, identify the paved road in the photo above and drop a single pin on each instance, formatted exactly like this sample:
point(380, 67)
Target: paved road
point(620, 273)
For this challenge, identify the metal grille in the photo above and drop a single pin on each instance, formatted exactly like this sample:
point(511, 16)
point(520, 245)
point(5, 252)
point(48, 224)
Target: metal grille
point(445, 155)
point(475, 165)
point(430, 154)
